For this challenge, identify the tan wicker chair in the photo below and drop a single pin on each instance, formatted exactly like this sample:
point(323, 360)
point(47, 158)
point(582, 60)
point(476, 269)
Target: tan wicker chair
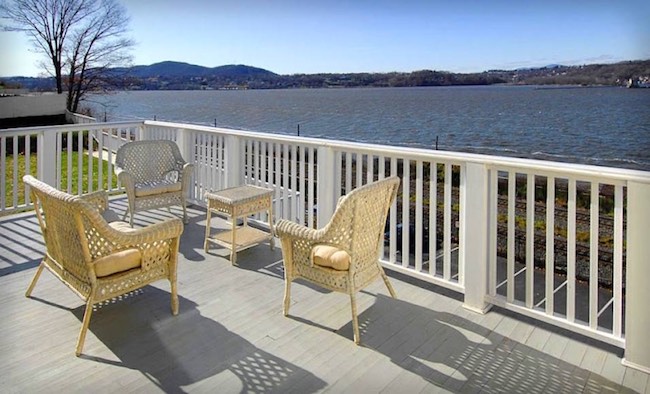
point(95, 254)
point(342, 256)
point(154, 174)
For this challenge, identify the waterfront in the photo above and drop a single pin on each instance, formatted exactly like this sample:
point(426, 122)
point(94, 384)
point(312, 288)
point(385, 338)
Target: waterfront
point(600, 126)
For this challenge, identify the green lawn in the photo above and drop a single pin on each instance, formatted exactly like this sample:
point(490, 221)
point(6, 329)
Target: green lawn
point(9, 175)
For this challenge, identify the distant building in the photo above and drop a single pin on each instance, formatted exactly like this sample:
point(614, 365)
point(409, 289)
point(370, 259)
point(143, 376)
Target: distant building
point(25, 110)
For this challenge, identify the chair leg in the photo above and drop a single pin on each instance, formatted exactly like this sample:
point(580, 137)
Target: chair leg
point(355, 320)
point(34, 280)
point(84, 327)
point(287, 296)
point(185, 219)
point(388, 284)
point(174, 297)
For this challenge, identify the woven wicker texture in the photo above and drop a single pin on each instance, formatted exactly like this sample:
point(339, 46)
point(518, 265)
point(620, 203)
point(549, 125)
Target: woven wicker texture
point(239, 202)
point(356, 227)
point(76, 235)
point(143, 166)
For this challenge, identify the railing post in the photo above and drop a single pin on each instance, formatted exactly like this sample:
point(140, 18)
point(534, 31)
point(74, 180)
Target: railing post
point(46, 163)
point(233, 159)
point(184, 142)
point(143, 133)
point(473, 256)
point(326, 185)
point(637, 313)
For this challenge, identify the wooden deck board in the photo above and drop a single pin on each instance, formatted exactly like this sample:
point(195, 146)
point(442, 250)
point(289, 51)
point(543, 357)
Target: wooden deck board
point(231, 336)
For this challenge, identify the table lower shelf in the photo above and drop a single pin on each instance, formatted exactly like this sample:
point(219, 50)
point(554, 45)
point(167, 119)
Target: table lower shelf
point(245, 238)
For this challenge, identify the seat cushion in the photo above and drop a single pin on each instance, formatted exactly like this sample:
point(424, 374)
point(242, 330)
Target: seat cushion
point(123, 260)
point(330, 256)
point(156, 187)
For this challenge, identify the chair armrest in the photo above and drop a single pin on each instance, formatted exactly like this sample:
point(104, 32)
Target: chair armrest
point(288, 229)
point(126, 179)
point(168, 229)
point(186, 170)
point(104, 239)
point(98, 199)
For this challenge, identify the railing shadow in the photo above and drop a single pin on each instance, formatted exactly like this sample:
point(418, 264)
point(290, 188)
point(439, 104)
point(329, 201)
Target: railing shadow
point(21, 244)
point(188, 351)
point(462, 356)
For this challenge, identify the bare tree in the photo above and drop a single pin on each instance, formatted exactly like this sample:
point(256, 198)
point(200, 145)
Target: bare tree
point(81, 39)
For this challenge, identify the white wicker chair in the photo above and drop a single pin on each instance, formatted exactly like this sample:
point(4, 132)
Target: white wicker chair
point(342, 256)
point(96, 255)
point(154, 174)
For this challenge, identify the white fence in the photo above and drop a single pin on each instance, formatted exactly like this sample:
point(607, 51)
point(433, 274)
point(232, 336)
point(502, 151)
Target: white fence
point(549, 240)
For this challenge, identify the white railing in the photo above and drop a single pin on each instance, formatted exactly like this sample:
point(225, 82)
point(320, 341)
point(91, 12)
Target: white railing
point(549, 240)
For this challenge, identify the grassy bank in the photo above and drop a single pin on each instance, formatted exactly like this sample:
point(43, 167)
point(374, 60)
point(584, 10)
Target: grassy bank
point(75, 172)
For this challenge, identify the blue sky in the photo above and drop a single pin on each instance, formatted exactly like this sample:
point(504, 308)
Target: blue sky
point(303, 36)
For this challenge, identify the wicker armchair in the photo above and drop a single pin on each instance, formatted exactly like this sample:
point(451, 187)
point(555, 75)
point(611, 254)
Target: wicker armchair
point(342, 256)
point(154, 174)
point(95, 254)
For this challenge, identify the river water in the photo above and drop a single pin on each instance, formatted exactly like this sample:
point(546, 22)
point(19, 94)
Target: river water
point(600, 126)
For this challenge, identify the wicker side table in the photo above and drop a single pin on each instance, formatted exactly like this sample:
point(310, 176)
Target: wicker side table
point(239, 203)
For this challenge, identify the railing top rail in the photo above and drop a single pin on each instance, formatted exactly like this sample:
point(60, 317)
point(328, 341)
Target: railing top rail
point(517, 164)
point(543, 167)
point(67, 127)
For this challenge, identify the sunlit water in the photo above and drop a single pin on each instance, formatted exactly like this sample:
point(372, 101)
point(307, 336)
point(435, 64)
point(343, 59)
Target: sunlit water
point(601, 126)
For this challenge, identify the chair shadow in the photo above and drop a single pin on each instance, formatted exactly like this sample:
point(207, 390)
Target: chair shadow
point(462, 356)
point(185, 350)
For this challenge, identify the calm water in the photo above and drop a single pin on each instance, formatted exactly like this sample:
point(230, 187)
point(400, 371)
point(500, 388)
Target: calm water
point(601, 126)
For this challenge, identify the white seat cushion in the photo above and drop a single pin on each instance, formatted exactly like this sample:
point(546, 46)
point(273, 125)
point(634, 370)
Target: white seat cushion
point(156, 187)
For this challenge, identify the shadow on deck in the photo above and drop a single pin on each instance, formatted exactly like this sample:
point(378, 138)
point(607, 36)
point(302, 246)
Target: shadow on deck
point(230, 335)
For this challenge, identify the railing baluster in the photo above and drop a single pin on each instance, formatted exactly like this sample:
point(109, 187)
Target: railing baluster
point(530, 240)
point(348, 172)
point(69, 161)
point(80, 157)
point(294, 187)
point(301, 186)
point(618, 260)
point(28, 166)
point(359, 169)
point(3, 173)
point(493, 228)
point(406, 204)
point(370, 177)
point(393, 218)
point(593, 256)
point(571, 251)
point(446, 248)
point(100, 156)
point(418, 215)
point(550, 245)
point(277, 173)
point(15, 170)
point(510, 267)
point(285, 184)
point(310, 187)
point(433, 217)
point(90, 160)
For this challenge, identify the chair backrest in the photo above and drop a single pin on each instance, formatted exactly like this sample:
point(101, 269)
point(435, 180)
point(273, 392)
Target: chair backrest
point(59, 216)
point(359, 220)
point(149, 159)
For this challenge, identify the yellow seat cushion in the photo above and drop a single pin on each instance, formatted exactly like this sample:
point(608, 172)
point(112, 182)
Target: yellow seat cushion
point(121, 226)
point(117, 262)
point(330, 256)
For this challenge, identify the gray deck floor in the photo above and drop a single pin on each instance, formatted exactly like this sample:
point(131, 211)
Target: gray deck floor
point(230, 335)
